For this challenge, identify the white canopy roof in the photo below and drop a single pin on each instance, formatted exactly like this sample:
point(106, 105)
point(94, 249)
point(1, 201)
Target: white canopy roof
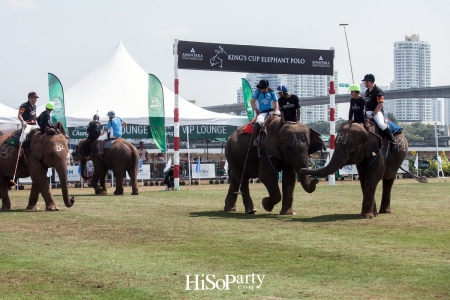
point(8, 115)
point(120, 84)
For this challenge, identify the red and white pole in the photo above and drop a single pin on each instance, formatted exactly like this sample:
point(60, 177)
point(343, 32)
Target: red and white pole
point(176, 121)
point(331, 178)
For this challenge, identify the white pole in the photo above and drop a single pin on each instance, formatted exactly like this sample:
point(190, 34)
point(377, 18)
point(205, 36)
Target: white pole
point(176, 121)
point(189, 155)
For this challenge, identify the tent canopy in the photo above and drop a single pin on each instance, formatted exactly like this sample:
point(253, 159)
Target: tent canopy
point(8, 115)
point(120, 84)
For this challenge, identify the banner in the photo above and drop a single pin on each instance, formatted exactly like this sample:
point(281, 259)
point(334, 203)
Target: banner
point(247, 92)
point(143, 132)
point(254, 59)
point(56, 95)
point(156, 112)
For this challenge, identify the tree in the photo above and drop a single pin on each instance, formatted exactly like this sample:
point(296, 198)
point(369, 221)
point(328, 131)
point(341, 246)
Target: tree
point(391, 117)
point(418, 132)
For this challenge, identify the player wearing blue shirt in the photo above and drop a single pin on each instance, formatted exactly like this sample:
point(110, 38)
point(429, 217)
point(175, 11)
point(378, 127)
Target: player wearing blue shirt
point(113, 129)
point(264, 100)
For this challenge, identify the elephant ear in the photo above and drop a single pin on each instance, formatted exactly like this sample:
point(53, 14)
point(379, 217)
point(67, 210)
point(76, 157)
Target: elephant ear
point(271, 145)
point(316, 142)
point(36, 147)
point(373, 144)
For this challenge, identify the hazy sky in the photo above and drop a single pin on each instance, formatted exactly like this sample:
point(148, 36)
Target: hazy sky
point(71, 38)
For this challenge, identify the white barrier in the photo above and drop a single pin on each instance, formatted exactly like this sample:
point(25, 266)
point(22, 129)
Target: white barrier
point(144, 173)
point(206, 171)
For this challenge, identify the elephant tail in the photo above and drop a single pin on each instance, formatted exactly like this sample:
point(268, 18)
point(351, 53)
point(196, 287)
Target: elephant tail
point(421, 179)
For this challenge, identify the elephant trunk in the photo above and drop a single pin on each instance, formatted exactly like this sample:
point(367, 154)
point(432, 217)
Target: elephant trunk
point(62, 173)
point(334, 165)
point(82, 169)
point(308, 185)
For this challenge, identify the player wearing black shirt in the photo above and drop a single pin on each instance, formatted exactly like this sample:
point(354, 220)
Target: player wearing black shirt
point(289, 107)
point(374, 105)
point(27, 111)
point(93, 131)
point(45, 120)
point(357, 103)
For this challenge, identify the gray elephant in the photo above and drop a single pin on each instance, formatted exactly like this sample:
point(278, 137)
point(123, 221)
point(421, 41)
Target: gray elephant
point(285, 150)
point(121, 158)
point(41, 153)
point(374, 159)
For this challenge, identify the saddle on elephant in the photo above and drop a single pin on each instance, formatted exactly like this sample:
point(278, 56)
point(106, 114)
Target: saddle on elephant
point(371, 126)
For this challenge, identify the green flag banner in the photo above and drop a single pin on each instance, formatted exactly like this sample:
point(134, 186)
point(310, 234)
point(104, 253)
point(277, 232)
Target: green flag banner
point(156, 112)
point(56, 95)
point(247, 91)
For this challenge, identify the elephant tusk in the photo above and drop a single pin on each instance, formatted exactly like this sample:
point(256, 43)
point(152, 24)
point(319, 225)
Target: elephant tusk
point(374, 154)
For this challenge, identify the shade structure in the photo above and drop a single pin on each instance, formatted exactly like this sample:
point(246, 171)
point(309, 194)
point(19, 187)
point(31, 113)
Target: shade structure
point(121, 85)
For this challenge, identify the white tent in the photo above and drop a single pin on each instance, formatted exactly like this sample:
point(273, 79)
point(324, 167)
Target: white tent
point(120, 84)
point(8, 115)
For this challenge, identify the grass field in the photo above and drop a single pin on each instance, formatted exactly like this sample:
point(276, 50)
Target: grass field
point(143, 247)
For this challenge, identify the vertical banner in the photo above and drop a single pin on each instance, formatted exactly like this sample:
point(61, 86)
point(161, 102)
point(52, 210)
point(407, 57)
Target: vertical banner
point(56, 95)
point(247, 92)
point(156, 112)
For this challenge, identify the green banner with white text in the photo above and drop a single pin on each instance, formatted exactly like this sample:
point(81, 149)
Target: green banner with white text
point(56, 95)
point(247, 92)
point(156, 112)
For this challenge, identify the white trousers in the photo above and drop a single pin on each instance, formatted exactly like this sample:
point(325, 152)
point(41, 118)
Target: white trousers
point(104, 137)
point(378, 118)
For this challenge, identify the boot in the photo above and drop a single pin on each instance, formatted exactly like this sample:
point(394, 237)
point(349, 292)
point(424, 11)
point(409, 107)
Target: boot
point(100, 148)
point(256, 129)
point(390, 137)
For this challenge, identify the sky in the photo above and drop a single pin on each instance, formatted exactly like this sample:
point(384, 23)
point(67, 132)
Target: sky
point(70, 38)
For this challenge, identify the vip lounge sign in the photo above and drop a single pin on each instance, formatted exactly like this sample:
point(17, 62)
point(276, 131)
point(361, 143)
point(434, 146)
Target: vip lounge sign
point(254, 59)
point(142, 131)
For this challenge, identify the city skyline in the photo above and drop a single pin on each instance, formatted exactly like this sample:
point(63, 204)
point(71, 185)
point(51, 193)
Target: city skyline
point(69, 39)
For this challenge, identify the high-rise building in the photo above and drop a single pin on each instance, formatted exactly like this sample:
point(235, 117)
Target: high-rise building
point(302, 86)
point(412, 69)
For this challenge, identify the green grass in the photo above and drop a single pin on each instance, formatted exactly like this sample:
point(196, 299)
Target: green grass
point(142, 247)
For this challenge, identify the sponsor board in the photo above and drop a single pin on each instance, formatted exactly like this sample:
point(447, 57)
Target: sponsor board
point(254, 59)
point(144, 173)
point(206, 171)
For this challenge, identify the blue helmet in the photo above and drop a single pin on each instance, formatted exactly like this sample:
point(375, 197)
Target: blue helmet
point(111, 113)
point(282, 89)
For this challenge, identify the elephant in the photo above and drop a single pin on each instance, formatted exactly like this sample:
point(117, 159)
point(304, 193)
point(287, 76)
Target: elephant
point(39, 154)
point(122, 157)
point(283, 149)
point(375, 159)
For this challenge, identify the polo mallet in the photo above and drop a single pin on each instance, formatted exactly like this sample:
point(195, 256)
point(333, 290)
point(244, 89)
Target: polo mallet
point(245, 163)
point(18, 156)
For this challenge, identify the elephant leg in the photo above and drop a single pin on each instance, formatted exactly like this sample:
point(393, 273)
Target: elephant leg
point(246, 198)
point(133, 180)
point(103, 182)
point(288, 186)
point(98, 173)
point(385, 207)
point(34, 197)
point(6, 202)
point(269, 178)
point(368, 204)
point(233, 189)
point(119, 185)
point(38, 176)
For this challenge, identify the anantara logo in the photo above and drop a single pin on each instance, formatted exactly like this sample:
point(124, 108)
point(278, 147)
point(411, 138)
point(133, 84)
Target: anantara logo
point(320, 63)
point(192, 55)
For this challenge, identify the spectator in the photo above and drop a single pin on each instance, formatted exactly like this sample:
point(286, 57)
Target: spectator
point(143, 153)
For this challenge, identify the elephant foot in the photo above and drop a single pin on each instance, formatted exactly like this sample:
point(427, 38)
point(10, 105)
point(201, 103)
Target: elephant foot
point(52, 208)
point(29, 207)
point(6, 207)
point(385, 210)
point(234, 208)
point(266, 205)
point(251, 211)
point(135, 193)
point(290, 211)
point(118, 193)
point(100, 191)
point(369, 215)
